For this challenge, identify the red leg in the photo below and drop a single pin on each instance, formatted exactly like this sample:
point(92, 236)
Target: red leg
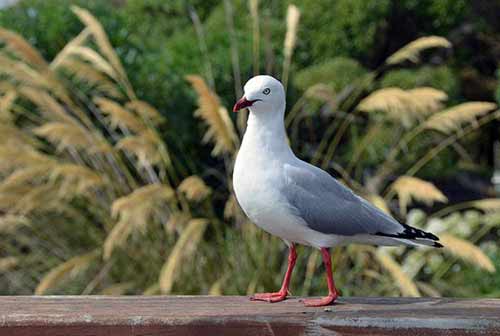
point(281, 295)
point(332, 291)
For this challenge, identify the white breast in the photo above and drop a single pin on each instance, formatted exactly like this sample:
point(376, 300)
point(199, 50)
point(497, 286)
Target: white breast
point(257, 187)
point(258, 181)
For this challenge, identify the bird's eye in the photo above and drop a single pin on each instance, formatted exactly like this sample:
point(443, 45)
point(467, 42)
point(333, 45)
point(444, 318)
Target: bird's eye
point(266, 91)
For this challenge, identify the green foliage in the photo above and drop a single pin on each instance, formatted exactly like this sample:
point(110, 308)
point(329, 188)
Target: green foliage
point(454, 275)
point(440, 77)
point(49, 24)
point(485, 285)
point(161, 49)
point(338, 73)
point(498, 88)
point(340, 28)
point(440, 16)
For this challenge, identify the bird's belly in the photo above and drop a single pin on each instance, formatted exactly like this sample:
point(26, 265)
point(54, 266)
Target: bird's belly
point(272, 213)
point(279, 223)
point(256, 183)
point(283, 224)
point(265, 206)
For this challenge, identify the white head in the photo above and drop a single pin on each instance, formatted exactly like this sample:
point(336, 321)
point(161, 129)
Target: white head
point(262, 94)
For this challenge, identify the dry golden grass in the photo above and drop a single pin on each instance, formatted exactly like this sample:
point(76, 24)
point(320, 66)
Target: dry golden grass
point(176, 222)
point(391, 100)
point(403, 281)
point(253, 5)
point(10, 223)
point(292, 24)
point(7, 101)
point(65, 136)
point(467, 251)
point(70, 267)
point(14, 136)
point(116, 238)
point(120, 117)
point(406, 107)
point(428, 290)
point(220, 127)
point(102, 41)
point(32, 199)
point(231, 208)
point(78, 158)
point(414, 261)
point(320, 91)
point(410, 188)
point(7, 263)
point(86, 65)
point(427, 100)
point(50, 108)
point(9, 200)
point(86, 73)
point(22, 49)
point(17, 156)
point(454, 117)
point(21, 73)
point(184, 247)
point(23, 64)
point(135, 211)
point(411, 52)
point(96, 61)
point(154, 289)
point(487, 204)
point(100, 38)
point(146, 146)
point(33, 175)
point(216, 288)
point(194, 188)
point(74, 179)
point(146, 111)
point(63, 55)
point(141, 204)
point(117, 289)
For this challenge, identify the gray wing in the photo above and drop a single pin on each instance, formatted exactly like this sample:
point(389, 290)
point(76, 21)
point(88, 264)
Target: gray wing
point(329, 207)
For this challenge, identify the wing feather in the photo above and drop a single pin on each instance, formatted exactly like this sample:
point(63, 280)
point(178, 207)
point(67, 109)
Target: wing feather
point(329, 207)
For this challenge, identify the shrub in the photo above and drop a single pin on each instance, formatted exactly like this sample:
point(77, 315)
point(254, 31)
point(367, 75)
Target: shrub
point(338, 73)
point(440, 77)
point(340, 28)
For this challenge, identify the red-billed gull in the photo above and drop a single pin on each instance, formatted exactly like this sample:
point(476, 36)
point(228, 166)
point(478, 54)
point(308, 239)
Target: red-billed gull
point(297, 201)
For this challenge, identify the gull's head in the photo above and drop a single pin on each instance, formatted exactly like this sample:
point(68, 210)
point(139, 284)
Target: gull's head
point(262, 94)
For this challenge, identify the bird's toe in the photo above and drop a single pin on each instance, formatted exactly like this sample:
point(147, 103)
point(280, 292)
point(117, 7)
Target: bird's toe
point(269, 297)
point(325, 301)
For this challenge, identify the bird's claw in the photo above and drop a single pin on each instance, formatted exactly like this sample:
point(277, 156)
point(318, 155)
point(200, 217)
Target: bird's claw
point(269, 297)
point(325, 301)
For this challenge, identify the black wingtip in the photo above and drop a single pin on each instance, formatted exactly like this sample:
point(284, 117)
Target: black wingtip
point(438, 245)
point(412, 233)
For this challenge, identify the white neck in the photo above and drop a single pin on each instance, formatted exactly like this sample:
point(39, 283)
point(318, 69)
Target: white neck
point(266, 131)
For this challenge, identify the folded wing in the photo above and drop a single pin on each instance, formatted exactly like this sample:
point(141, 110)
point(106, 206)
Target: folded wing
point(329, 207)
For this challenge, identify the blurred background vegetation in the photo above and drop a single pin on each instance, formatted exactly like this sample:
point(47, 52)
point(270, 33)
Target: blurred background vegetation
point(117, 146)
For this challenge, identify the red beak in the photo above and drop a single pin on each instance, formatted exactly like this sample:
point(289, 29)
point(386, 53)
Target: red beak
point(242, 103)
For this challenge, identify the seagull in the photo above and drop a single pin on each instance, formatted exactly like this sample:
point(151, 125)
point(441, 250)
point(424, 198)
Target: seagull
point(298, 202)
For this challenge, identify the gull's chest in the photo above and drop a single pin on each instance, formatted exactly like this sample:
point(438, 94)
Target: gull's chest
point(257, 180)
point(259, 185)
